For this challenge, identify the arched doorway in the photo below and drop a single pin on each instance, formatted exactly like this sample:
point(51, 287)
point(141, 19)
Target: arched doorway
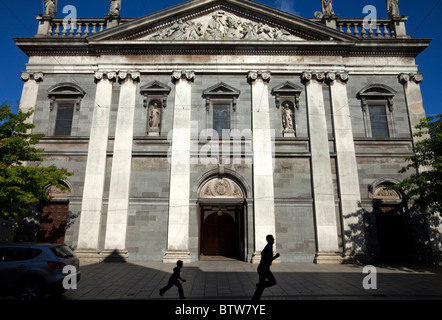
point(222, 220)
point(391, 226)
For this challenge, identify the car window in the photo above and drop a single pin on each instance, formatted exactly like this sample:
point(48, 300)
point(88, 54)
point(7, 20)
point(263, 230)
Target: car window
point(62, 251)
point(19, 254)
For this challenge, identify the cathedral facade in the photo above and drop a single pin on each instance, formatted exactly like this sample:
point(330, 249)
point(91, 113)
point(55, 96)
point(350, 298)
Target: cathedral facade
point(197, 130)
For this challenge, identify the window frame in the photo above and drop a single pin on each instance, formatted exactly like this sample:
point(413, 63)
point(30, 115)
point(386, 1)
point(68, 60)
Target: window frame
point(378, 95)
point(64, 93)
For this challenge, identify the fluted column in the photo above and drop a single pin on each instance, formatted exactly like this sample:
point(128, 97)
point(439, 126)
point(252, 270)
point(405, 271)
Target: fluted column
point(28, 100)
point(263, 189)
point(91, 210)
point(118, 206)
point(178, 227)
point(348, 178)
point(323, 195)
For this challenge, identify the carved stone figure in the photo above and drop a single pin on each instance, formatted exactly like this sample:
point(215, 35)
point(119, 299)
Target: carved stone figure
point(115, 8)
point(249, 31)
point(50, 8)
point(232, 28)
point(393, 8)
point(154, 116)
point(195, 31)
point(215, 29)
point(327, 7)
point(264, 32)
point(287, 117)
point(178, 30)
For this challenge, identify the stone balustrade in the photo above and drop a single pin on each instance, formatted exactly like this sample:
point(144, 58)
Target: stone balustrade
point(356, 28)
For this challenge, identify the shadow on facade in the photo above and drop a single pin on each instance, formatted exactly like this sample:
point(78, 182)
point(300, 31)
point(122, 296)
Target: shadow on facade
point(365, 235)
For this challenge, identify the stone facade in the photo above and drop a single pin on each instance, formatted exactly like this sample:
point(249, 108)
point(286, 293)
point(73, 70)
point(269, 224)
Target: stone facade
point(137, 187)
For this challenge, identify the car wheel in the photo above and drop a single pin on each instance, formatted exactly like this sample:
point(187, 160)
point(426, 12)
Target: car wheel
point(31, 290)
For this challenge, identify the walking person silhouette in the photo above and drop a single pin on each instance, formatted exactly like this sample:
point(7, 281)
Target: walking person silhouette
point(264, 268)
point(173, 281)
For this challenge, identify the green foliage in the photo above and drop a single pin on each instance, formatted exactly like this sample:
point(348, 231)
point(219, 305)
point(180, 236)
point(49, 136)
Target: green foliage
point(21, 186)
point(425, 184)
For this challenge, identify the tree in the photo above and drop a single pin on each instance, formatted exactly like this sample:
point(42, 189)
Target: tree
point(425, 185)
point(22, 186)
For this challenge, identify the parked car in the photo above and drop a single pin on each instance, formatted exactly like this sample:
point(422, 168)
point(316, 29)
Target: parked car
point(30, 271)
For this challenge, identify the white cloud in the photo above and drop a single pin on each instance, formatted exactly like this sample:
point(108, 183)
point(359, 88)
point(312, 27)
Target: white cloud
point(286, 5)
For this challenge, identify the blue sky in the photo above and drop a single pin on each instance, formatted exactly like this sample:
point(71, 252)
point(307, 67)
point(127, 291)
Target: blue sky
point(17, 19)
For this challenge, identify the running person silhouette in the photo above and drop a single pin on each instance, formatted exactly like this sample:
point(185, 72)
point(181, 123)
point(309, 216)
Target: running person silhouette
point(173, 281)
point(264, 268)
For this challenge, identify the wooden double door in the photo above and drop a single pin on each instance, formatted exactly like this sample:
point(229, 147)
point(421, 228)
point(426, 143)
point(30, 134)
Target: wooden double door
point(53, 222)
point(222, 231)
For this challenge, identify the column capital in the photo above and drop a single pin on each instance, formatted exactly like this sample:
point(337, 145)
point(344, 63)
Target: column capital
point(332, 76)
point(123, 75)
point(37, 76)
point(318, 75)
point(178, 75)
point(264, 75)
point(406, 77)
point(110, 75)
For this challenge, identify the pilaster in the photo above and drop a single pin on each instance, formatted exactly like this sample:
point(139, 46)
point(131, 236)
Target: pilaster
point(28, 100)
point(179, 209)
point(118, 206)
point(323, 195)
point(413, 95)
point(91, 211)
point(263, 192)
point(348, 178)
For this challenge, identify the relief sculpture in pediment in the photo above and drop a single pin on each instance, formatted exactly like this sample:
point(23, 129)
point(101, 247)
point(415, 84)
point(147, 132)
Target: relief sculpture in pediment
point(221, 25)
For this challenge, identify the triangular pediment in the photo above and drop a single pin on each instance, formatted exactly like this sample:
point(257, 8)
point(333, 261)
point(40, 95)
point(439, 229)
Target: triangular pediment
point(154, 87)
point(221, 20)
point(221, 89)
point(287, 88)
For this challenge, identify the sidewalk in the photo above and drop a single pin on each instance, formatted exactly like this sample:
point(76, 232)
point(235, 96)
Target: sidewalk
point(235, 280)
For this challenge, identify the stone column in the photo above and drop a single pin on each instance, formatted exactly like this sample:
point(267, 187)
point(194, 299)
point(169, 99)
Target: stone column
point(91, 210)
point(413, 95)
point(178, 227)
point(29, 95)
point(263, 193)
point(118, 206)
point(323, 195)
point(348, 178)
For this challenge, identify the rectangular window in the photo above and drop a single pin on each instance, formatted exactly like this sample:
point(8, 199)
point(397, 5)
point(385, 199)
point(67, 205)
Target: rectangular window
point(378, 121)
point(221, 118)
point(63, 123)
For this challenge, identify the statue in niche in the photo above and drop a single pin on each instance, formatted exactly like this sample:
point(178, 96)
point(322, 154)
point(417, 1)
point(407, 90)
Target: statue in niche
point(50, 8)
point(115, 8)
point(287, 116)
point(327, 7)
point(393, 8)
point(154, 116)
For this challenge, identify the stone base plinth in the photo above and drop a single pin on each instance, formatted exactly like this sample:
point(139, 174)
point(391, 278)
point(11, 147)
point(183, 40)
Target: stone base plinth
point(88, 255)
point(328, 258)
point(174, 256)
